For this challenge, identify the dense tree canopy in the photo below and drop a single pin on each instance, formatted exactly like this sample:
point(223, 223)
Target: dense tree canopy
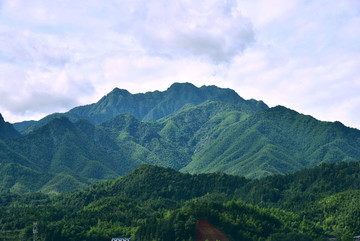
point(155, 203)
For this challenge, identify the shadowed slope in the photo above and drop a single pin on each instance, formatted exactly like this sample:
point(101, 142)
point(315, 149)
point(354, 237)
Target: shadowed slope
point(7, 131)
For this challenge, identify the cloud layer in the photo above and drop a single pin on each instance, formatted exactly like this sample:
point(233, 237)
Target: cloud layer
point(55, 55)
point(213, 30)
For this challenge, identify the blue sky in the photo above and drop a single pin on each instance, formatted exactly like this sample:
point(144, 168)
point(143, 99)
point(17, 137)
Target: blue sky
point(305, 55)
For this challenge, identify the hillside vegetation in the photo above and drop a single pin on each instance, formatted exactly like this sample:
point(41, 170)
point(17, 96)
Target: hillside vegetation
point(194, 130)
point(156, 203)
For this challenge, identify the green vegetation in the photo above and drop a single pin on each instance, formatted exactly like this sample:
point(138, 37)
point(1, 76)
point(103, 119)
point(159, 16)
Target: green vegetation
point(276, 140)
point(195, 130)
point(155, 203)
point(300, 176)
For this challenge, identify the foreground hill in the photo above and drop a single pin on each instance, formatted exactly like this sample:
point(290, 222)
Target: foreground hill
point(292, 192)
point(155, 203)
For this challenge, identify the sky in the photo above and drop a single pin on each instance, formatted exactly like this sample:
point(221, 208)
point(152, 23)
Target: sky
point(302, 54)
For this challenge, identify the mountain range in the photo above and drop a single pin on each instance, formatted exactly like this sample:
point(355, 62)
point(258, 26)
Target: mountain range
point(195, 130)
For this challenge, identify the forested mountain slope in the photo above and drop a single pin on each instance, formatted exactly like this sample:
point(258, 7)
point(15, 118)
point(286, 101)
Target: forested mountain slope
point(200, 130)
point(77, 154)
point(276, 140)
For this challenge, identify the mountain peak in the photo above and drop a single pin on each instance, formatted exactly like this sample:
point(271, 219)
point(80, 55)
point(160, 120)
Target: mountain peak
point(118, 91)
point(151, 106)
point(1, 119)
point(59, 125)
point(182, 86)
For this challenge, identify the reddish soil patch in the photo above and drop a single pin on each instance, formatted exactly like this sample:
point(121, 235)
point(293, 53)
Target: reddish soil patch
point(205, 231)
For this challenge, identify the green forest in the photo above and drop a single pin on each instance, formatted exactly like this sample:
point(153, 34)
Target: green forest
point(193, 130)
point(174, 164)
point(157, 203)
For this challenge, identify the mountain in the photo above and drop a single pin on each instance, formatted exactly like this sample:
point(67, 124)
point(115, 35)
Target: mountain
point(149, 106)
point(194, 130)
point(89, 154)
point(77, 152)
point(7, 131)
point(276, 140)
point(220, 137)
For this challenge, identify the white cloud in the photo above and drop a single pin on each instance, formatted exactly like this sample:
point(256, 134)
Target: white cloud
point(55, 55)
point(62, 53)
point(306, 57)
point(23, 47)
point(212, 30)
point(263, 13)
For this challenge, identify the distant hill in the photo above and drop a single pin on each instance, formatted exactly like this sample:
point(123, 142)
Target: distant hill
point(22, 126)
point(7, 131)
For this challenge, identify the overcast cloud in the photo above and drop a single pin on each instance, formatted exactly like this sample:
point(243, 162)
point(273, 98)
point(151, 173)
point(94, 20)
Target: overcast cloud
point(305, 55)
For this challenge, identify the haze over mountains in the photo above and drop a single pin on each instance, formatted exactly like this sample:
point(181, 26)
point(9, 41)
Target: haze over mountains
point(196, 130)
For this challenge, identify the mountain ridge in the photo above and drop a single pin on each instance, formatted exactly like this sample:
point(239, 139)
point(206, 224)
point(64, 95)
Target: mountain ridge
point(149, 106)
